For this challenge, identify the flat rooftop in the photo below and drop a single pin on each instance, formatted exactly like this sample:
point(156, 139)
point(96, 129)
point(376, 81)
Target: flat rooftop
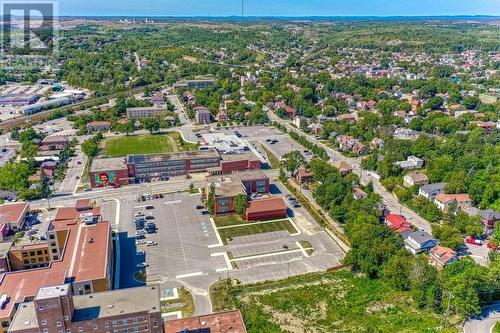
point(225, 322)
point(109, 163)
point(226, 186)
point(116, 302)
point(11, 213)
point(250, 174)
point(223, 142)
point(82, 260)
point(185, 155)
point(93, 306)
point(238, 156)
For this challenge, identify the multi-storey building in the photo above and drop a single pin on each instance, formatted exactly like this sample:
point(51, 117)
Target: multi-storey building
point(144, 112)
point(56, 310)
point(80, 249)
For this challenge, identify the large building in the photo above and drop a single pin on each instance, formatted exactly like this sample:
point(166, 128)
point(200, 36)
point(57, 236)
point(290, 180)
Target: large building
point(146, 167)
point(50, 104)
point(225, 322)
point(13, 216)
point(56, 309)
point(106, 172)
point(266, 209)
point(144, 112)
point(17, 99)
point(80, 249)
point(226, 188)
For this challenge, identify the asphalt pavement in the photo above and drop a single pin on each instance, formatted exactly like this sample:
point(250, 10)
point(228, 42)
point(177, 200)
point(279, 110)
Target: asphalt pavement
point(485, 322)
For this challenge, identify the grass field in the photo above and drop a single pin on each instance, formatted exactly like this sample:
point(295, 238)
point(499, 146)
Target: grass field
point(273, 160)
point(185, 303)
point(145, 144)
point(327, 302)
point(224, 221)
point(227, 234)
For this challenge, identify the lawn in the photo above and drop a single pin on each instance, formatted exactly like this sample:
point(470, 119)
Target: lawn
point(145, 144)
point(273, 160)
point(251, 228)
point(184, 303)
point(233, 219)
point(327, 302)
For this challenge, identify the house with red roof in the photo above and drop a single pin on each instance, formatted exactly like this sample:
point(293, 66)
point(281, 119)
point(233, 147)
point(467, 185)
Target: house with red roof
point(397, 222)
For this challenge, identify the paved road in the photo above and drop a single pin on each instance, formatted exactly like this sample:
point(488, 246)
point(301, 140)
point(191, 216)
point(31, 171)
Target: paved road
point(186, 128)
point(387, 198)
point(485, 322)
point(73, 173)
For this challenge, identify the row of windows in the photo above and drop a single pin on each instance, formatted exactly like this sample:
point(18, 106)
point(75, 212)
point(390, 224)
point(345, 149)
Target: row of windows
point(32, 253)
point(173, 167)
point(160, 163)
point(204, 166)
point(34, 260)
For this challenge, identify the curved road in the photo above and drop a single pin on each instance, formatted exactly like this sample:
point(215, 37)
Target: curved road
point(485, 322)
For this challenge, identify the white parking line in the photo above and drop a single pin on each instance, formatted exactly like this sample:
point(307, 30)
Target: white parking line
point(226, 259)
point(172, 202)
point(188, 275)
point(266, 255)
point(219, 240)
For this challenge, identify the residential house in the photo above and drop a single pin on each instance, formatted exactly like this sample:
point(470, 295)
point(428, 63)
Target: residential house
point(397, 222)
point(487, 126)
point(303, 175)
point(441, 256)
point(96, 126)
point(443, 200)
point(419, 241)
point(430, 191)
point(54, 143)
point(405, 134)
point(377, 143)
point(358, 194)
point(343, 167)
point(202, 115)
point(315, 128)
point(360, 149)
point(415, 179)
point(300, 121)
point(489, 217)
point(221, 116)
point(412, 162)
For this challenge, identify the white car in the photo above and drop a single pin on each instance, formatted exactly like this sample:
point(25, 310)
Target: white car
point(151, 243)
point(141, 265)
point(139, 214)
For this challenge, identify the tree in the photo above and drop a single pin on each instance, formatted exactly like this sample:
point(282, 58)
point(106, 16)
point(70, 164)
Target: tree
point(293, 161)
point(90, 147)
point(151, 124)
point(396, 272)
point(211, 199)
point(471, 102)
point(282, 176)
point(240, 204)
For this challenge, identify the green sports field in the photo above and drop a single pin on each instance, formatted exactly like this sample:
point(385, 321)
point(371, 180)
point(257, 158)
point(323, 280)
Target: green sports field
point(145, 144)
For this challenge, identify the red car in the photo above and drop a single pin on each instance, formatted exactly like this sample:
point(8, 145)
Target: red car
point(492, 246)
point(472, 240)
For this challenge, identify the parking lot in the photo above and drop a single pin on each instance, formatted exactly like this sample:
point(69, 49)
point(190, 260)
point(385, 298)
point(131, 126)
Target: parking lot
point(186, 250)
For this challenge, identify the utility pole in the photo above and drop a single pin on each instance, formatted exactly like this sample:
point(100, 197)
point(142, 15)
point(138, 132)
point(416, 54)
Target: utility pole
point(447, 310)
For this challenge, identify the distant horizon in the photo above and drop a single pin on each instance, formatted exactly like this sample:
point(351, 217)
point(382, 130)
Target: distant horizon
point(277, 8)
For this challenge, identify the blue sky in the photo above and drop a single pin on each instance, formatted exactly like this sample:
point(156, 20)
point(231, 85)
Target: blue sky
point(279, 7)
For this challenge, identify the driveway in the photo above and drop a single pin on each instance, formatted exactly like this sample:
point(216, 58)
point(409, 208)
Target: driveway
point(485, 322)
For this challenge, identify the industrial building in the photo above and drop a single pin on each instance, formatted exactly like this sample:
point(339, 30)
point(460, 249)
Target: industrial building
point(144, 112)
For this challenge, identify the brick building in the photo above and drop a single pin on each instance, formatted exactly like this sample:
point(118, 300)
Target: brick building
point(225, 322)
point(95, 126)
point(266, 209)
point(13, 215)
point(144, 112)
point(80, 248)
point(111, 171)
point(55, 310)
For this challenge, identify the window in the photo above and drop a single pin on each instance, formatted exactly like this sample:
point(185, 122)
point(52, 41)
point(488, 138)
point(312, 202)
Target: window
point(125, 330)
point(95, 326)
point(43, 322)
point(26, 261)
point(60, 332)
point(155, 324)
point(40, 308)
point(68, 330)
point(115, 323)
point(106, 324)
point(66, 318)
point(45, 251)
point(45, 330)
point(80, 329)
point(25, 254)
point(39, 252)
point(51, 236)
point(32, 253)
point(124, 321)
point(56, 257)
point(135, 320)
point(54, 250)
point(58, 323)
point(136, 329)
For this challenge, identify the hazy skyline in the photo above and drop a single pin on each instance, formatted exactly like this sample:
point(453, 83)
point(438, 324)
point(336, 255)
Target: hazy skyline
point(278, 7)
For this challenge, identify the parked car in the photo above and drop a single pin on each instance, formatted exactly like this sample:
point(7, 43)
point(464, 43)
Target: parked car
point(297, 205)
point(150, 217)
point(151, 243)
point(139, 214)
point(140, 236)
point(199, 207)
point(473, 241)
point(204, 212)
point(492, 245)
point(141, 265)
point(150, 230)
point(139, 242)
point(149, 207)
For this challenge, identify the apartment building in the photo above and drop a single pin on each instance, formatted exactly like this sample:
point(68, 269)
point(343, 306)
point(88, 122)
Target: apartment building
point(144, 112)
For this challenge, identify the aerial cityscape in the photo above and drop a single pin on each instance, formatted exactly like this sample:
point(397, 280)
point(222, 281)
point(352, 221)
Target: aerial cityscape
point(244, 166)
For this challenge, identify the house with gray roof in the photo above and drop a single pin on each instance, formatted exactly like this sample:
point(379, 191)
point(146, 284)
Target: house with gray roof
point(419, 241)
point(430, 191)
